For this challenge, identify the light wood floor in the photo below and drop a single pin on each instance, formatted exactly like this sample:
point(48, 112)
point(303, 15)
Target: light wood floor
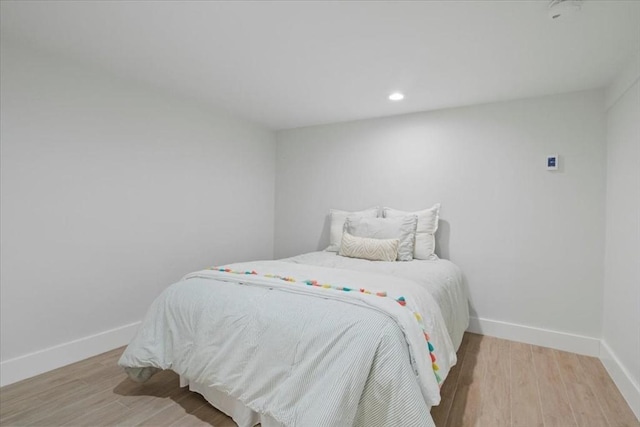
point(505, 383)
point(496, 383)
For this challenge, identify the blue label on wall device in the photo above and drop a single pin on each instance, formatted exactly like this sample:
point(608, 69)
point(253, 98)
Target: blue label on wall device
point(551, 162)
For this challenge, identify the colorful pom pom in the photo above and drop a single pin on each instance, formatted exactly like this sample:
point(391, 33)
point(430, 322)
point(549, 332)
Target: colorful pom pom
point(400, 300)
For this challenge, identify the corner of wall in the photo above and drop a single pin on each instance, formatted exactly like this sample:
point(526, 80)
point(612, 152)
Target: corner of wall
point(611, 354)
point(629, 74)
point(620, 375)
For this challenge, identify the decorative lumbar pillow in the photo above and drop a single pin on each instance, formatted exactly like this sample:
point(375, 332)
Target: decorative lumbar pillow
point(337, 224)
point(401, 228)
point(425, 245)
point(371, 249)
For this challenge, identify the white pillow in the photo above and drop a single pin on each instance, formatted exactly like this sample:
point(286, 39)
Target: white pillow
point(337, 224)
point(401, 228)
point(371, 249)
point(425, 232)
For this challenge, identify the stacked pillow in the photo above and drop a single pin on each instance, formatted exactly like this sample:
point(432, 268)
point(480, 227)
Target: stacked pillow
point(401, 228)
point(338, 218)
point(399, 235)
point(425, 245)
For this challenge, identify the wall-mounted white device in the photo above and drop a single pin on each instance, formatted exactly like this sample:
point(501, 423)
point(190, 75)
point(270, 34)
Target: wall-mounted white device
point(552, 162)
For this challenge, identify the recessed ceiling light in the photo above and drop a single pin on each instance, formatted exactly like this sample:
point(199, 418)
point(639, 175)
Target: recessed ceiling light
point(396, 96)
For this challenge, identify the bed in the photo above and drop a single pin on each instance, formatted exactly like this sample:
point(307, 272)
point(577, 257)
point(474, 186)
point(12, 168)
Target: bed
point(314, 340)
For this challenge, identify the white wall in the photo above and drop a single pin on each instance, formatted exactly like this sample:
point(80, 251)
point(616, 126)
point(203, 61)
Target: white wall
point(529, 241)
point(621, 314)
point(110, 193)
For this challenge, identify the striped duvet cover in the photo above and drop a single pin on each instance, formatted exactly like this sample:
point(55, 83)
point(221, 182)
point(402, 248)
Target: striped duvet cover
point(304, 345)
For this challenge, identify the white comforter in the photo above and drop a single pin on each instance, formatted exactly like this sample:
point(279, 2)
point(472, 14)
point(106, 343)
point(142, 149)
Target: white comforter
point(440, 277)
point(303, 355)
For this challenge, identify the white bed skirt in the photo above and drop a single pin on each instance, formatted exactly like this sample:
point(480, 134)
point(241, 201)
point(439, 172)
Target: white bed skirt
point(238, 411)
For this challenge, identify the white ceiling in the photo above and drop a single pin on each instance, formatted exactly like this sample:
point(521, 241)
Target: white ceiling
point(293, 64)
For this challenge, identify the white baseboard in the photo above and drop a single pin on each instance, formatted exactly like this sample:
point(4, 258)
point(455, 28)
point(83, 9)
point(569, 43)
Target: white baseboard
point(29, 365)
point(543, 337)
point(620, 375)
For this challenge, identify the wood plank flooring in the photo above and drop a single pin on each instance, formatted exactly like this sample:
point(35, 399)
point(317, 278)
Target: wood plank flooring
point(495, 383)
point(505, 383)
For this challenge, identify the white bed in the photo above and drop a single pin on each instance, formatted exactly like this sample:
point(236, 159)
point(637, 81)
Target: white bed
point(317, 339)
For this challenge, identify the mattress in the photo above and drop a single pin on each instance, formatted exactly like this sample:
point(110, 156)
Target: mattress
point(266, 344)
